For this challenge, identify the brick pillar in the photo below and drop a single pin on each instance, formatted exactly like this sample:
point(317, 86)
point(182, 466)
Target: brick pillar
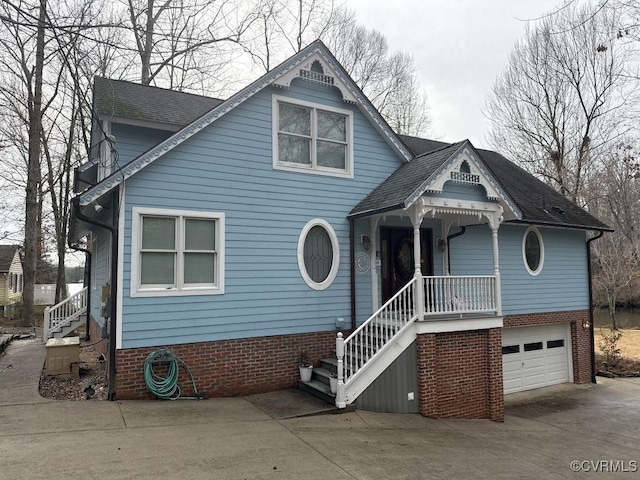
point(427, 375)
point(495, 386)
point(581, 349)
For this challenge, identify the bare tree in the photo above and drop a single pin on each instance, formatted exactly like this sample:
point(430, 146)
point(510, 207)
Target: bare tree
point(388, 79)
point(559, 104)
point(180, 41)
point(616, 199)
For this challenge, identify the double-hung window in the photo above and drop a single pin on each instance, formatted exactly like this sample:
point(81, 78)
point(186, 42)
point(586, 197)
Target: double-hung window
point(177, 252)
point(312, 138)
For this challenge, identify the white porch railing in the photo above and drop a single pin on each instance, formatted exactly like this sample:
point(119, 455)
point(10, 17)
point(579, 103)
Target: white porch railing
point(64, 313)
point(444, 295)
point(460, 294)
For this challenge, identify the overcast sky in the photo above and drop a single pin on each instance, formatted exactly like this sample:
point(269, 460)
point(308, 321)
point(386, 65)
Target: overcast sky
point(459, 47)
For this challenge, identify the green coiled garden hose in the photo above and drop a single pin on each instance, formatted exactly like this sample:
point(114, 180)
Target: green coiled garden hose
point(166, 386)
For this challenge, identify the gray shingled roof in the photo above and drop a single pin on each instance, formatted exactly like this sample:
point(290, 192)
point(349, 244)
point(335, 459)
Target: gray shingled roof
point(395, 190)
point(6, 256)
point(124, 99)
point(539, 203)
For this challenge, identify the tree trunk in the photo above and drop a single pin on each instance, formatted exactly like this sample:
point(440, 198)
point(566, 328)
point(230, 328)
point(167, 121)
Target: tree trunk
point(32, 204)
point(611, 300)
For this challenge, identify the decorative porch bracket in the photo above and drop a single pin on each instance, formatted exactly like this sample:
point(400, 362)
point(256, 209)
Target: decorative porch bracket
point(444, 208)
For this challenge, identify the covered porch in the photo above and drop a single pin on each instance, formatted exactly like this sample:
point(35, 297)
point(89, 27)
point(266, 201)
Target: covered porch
point(428, 201)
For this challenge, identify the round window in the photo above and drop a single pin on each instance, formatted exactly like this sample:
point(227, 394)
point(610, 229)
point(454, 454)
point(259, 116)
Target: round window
point(533, 250)
point(318, 254)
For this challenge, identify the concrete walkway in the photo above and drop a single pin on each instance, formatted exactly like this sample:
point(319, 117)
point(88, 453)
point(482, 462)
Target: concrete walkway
point(239, 438)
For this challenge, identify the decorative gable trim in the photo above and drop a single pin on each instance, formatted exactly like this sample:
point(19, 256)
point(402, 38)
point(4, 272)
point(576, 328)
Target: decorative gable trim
point(454, 169)
point(305, 60)
point(316, 70)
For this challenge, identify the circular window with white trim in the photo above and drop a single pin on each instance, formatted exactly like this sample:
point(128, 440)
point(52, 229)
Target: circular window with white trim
point(533, 250)
point(318, 254)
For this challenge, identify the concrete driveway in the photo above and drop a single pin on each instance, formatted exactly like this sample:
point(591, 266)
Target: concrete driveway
point(595, 427)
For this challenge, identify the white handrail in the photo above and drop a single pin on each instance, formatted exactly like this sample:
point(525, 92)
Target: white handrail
point(62, 314)
point(443, 295)
point(375, 333)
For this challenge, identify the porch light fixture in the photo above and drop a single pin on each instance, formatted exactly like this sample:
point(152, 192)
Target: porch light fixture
point(442, 244)
point(366, 242)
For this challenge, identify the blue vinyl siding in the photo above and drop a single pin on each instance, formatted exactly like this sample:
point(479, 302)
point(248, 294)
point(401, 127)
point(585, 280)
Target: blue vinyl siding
point(131, 141)
point(228, 168)
point(562, 284)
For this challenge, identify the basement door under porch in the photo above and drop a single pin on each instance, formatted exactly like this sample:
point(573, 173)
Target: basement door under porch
point(397, 259)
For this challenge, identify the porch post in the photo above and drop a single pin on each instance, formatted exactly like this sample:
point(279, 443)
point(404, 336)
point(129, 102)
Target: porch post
point(496, 265)
point(416, 219)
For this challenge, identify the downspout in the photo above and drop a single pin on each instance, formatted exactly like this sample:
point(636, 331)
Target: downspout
point(592, 339)
point(88, 268)
point(449, 237)
point(352, 272)
point(114, 282)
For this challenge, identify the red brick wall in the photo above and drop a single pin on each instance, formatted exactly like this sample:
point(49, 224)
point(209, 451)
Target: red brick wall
point(580, 336)
point(229, 367)
point(460, 374)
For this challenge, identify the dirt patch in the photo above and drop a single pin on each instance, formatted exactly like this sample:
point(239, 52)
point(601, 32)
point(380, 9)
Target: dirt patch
point(90, 384)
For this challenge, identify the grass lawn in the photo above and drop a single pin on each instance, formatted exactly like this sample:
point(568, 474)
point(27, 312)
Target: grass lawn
point(629, 344)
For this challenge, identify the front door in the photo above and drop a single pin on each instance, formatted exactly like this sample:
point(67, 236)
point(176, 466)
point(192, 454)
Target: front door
point(396, 257)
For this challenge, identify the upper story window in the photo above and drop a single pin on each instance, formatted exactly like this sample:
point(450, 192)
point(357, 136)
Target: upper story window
point(533, 250)
point(177, 253)
point(312, 138)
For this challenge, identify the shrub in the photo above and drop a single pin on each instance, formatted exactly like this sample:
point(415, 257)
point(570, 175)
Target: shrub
point(608, 345)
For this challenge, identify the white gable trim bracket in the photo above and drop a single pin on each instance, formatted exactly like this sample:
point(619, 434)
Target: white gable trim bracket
point(455, 170)
point(316, 70)
point(305, 57)
point(439, 207)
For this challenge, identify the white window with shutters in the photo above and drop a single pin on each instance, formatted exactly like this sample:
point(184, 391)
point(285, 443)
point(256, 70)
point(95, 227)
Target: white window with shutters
point(176, 252)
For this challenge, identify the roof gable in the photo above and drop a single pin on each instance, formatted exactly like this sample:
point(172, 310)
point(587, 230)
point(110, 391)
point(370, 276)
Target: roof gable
point(538, 202)
point(429, 173)
point(314, 63)
point(454, 169)
point(7, 254)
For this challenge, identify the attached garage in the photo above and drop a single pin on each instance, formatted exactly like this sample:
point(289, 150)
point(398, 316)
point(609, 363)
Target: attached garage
point(534, 357)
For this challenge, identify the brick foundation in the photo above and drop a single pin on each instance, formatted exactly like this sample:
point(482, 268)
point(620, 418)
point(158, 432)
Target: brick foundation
point(580, 336)
point(460, 374)
point(228, 368)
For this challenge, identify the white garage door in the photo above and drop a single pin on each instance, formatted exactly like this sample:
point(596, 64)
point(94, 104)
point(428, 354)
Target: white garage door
point(534, 357)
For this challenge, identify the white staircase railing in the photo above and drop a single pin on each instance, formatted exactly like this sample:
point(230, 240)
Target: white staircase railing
point(381, 333)
point(371, 338)
point(64, 313)
point(459, 294)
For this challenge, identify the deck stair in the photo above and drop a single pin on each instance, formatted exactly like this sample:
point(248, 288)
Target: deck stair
point(63, 318)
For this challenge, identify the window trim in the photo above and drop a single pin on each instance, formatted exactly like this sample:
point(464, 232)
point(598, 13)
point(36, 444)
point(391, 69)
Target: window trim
point(333, 272)
point(179, 289)
point(313, 168)
point(537, 271)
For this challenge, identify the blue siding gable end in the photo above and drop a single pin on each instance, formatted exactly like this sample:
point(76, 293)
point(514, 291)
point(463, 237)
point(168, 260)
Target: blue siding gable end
point(228, 168)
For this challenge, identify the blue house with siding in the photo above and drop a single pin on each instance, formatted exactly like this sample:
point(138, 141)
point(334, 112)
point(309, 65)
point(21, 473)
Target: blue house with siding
point(429, 277)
